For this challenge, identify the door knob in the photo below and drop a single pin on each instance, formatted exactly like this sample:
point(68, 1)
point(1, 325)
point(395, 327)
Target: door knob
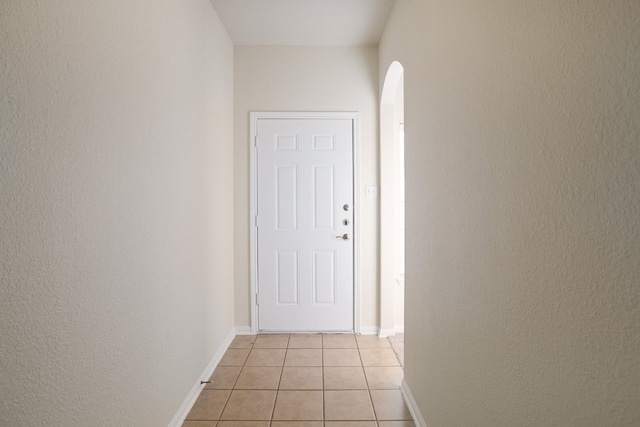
point(345, 236)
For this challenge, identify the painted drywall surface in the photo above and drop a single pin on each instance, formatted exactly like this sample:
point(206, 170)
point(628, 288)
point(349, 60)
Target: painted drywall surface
point(307, 79)
point(116, 154)
point(523, 205)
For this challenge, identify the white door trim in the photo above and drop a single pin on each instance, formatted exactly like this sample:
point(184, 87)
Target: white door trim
point(253, 198)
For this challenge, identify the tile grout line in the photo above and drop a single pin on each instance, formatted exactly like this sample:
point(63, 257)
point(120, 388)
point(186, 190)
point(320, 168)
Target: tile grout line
point(235, 382)
point(373, 408)
point(286, 350)
point(324, 409)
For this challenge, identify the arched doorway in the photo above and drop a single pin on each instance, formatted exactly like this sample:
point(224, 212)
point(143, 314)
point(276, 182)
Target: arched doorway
point(392, 201)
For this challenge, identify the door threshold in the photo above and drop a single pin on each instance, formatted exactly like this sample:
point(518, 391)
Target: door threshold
point(267, 332)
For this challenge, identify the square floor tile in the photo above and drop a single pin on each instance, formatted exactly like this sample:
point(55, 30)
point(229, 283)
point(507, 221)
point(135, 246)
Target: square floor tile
point(338, 341)
point(344, 378)
point(271, 341)
point(305, 341)
point(395, 424)
point(223, 378)
point(242, 341)
point(348, 405)
point(372, 341)
point(389, 405)
point(209, 405)
point(301, 378)
point(384, 377)
point(249, 405)
point(259, 378)
point(298, 405)
point(378, 357)
point(234, 357)
point(341, 357)
point(266, 357)
point(304, 357)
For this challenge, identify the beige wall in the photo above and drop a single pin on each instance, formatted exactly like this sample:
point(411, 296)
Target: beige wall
point(116, 249)
point(523, 206)
point(307, 79)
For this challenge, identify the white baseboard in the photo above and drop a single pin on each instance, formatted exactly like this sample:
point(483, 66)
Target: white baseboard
point(412, 405)
point(369, 330)
point(186, 406)
point(366, 330)
point(384, 333)
point(243, 330)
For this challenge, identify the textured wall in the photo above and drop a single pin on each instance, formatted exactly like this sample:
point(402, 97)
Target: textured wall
point(116, 250)
point(308, 79)
point(523, 210)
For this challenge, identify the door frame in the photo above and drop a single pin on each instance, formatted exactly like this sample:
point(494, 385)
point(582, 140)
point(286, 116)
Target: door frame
point(253, 202)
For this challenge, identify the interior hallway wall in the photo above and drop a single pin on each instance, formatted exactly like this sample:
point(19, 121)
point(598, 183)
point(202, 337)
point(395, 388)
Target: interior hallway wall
point(307, 79)
point(523, 210)
point(116, 249)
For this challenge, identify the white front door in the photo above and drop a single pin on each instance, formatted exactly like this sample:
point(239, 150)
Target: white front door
point(305, 224)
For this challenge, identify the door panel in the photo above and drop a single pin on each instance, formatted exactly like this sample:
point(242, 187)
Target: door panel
point(304, 178)
point(323, 197)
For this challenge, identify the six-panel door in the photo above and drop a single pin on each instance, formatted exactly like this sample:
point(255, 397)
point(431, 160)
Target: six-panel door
point(304, 202)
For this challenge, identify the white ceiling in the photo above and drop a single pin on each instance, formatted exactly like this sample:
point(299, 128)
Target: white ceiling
point(304, 22)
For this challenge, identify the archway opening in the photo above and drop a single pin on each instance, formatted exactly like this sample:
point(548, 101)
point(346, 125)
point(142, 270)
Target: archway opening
point(392, 202)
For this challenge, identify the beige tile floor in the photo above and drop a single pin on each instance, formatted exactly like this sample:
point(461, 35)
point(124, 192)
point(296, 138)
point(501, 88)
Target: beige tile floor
point(310, 380)
point(397, 343)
